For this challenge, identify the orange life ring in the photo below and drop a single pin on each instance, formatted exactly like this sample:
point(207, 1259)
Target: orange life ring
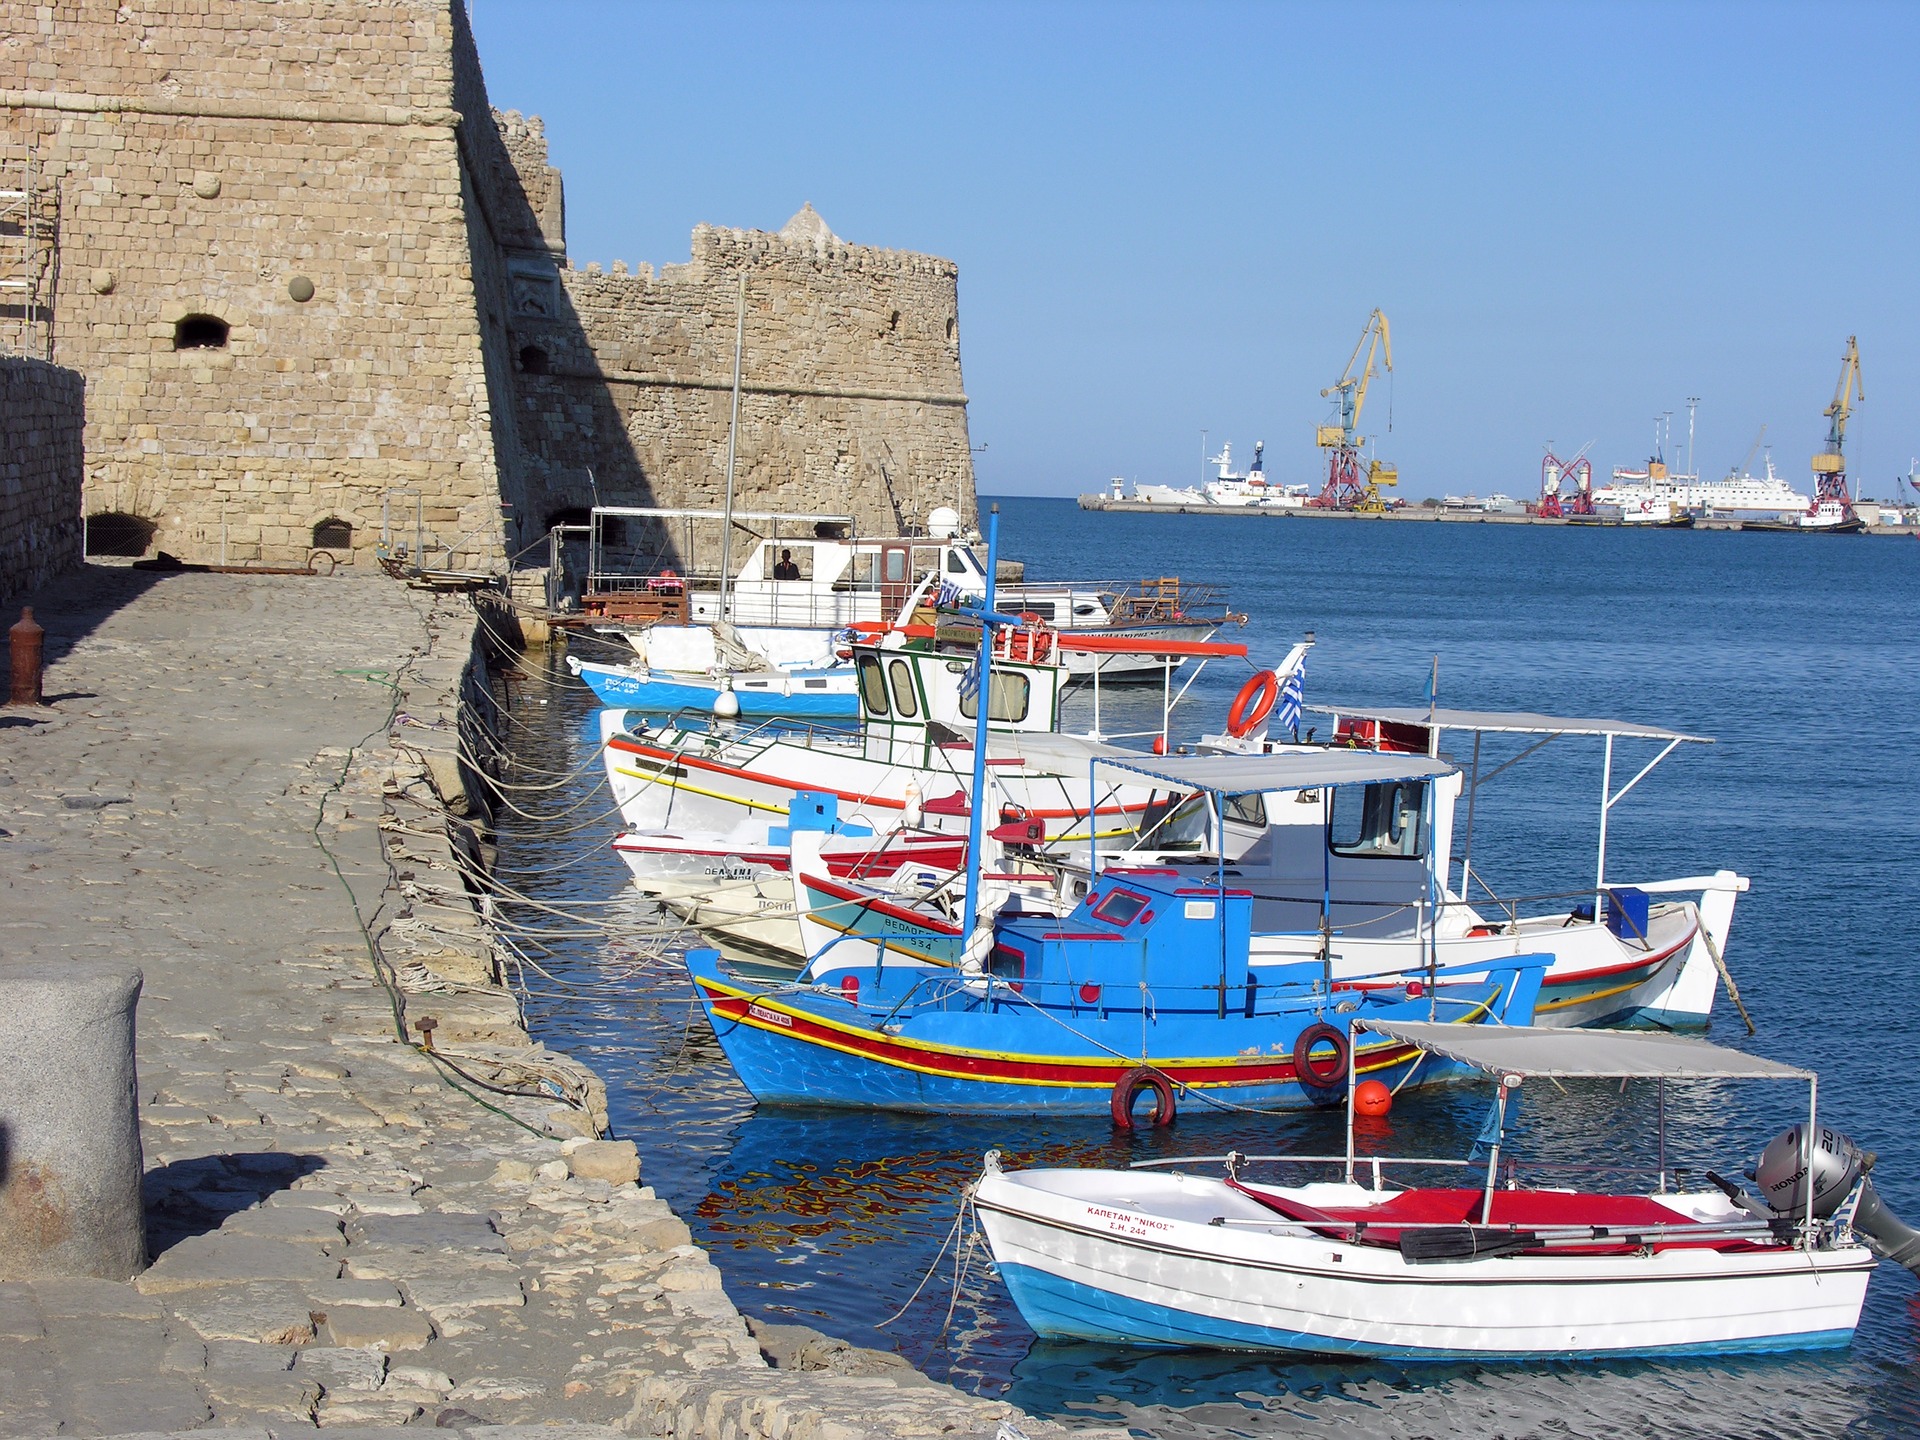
point(1323, 1072)
point(1253, 704)
point(1127, 1089)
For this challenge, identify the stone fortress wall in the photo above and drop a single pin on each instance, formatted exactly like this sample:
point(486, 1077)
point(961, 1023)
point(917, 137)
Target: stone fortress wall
point(41, 412)
point(311, 277)
point(264, 269)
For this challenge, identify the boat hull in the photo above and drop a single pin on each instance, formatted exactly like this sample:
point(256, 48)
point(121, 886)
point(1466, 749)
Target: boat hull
point(1022, 1054)
point(1136, 1272)
point(804, 695)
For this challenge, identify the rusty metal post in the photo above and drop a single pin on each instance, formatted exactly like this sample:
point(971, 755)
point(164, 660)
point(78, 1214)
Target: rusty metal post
point(27, 641)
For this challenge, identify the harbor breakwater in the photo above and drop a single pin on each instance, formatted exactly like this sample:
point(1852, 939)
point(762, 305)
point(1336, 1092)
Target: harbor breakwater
point(371, 1200)
point(1442, 515)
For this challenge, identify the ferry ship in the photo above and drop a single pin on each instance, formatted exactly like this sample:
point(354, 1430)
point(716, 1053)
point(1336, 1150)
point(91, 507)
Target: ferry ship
point(1654, 494)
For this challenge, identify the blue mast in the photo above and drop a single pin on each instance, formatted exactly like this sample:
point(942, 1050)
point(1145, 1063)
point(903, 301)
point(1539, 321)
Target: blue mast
point(982, 704)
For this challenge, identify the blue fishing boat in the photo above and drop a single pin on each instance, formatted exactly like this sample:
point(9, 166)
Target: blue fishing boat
point(1143, 988)
point(802, 694)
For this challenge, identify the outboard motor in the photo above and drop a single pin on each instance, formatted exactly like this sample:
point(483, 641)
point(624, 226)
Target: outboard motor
point(1838, 1164)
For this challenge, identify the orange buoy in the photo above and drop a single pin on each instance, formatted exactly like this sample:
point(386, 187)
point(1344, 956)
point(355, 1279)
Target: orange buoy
point(1372, 1098)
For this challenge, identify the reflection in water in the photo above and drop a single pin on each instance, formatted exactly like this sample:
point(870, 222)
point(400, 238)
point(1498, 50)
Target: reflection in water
point(837, 1220)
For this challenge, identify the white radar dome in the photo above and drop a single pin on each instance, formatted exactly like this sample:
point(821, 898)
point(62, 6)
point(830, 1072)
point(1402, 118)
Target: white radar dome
point(944, 523)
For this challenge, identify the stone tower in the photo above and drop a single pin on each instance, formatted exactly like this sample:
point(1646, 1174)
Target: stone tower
point(313, 280)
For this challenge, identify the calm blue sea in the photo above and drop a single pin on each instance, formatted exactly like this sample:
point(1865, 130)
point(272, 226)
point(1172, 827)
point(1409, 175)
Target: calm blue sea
point(1796, 654)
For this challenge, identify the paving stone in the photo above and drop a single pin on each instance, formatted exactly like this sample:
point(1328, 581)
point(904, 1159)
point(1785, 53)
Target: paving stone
point(155, 1402)
point(286, 1223)
point(615, 1161)
point(338, 1368)
point(353, 1292)
point(107, 1298)
point(452, 1294)
point(244, 1357)
point(499, 1387)
point(19, 1315)
point(438, 1230)
point(273, 1394)
point(372, 1410)
point(379, 1327)
point(271, 1314)
point(200, 1261)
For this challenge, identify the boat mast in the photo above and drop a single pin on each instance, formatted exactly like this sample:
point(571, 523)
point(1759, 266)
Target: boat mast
point(733, 432)
point(983, 703)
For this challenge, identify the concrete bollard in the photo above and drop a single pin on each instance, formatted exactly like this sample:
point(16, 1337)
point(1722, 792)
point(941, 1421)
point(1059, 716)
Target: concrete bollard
point(70, 1159)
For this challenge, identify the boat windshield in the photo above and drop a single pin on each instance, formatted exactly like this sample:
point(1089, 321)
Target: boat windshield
point(1381, 820)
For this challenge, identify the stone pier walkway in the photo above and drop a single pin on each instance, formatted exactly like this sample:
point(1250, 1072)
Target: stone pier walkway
point(341, 1237)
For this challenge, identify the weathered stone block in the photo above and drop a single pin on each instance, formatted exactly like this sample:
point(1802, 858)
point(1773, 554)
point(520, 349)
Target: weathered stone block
point(378, 1328)
point(615, 1161)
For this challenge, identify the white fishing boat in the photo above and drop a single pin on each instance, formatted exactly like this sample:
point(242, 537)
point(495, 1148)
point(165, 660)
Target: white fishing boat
point(1174, 497)
point(1252, 490)
point(1498, 1268)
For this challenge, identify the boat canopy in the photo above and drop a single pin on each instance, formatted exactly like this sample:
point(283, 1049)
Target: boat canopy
point(1597, 1054)
point(651, 512)
point(1513, 722)
point(1281, 770)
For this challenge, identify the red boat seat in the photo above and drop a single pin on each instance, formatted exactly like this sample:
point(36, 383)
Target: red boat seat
point(1520, 1209)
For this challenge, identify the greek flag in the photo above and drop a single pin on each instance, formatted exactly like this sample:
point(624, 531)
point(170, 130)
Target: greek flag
point(1292, 694)
point(970, 681)
point(948, 596)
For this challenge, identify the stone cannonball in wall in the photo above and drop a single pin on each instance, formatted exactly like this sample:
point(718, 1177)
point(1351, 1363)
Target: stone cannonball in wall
point(102, 282)
point(300, 288)
point(206, 184)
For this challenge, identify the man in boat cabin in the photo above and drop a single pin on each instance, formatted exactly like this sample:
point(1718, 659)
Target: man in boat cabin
point(784, 568)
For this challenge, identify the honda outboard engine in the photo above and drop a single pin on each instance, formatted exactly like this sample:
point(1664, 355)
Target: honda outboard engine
point(1782, 1176)
point(1838, 1164)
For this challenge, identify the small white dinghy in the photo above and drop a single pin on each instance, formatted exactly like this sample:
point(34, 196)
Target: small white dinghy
point(1488, 1271)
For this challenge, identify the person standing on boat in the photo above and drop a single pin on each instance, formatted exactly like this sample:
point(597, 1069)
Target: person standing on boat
point(784, 568)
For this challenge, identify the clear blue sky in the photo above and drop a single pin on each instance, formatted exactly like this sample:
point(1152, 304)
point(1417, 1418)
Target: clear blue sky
point(1175, 218)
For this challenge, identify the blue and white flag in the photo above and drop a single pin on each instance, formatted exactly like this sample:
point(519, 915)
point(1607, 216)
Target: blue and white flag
point(1292, 695)
point(970, 680)
point(948, 596)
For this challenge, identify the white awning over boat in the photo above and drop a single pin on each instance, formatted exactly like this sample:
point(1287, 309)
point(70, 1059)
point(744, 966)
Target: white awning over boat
point(1282, 770)
point(1514, 722)
point(1595, 1054)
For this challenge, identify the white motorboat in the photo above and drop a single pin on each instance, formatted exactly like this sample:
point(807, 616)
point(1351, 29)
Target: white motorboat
point(1495, 1269)
point(808, 580)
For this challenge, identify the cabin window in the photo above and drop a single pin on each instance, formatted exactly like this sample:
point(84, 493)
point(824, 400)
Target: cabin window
point(200, 332)
point(1012, 696)
point(896, 566)
point(906, 702)
point(955, 565)
point(1175, 823)
point(1380, 821)
point(1043, 608)
point(1118, 907)
point(1007, 963)
point(873, 686)
point(1248, 809)
point(789, 562)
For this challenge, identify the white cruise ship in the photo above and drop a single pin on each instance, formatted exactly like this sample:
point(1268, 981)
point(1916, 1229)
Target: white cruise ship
point(1655, 491)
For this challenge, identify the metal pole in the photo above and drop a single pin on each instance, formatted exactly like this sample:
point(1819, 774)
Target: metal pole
point(1606, 804)
point(733, 435)
point(983, 704)
point(1466, 854)
point(1663, 1136)
point(419, 532)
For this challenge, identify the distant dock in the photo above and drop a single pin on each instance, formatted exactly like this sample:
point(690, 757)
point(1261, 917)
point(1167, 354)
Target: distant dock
point(1413, 512)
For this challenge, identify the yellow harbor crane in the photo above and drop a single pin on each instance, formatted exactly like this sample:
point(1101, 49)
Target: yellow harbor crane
point(1344, 489)
point(1830, 465)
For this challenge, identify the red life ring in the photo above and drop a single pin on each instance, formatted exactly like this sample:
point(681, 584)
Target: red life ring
point(1326, 1071)
point(1127, 1089)
point(1253, 704)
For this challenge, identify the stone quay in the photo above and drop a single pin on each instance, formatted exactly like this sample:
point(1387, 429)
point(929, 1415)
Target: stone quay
point(258, 792)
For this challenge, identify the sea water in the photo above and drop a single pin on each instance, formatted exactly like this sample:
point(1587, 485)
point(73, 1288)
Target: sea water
point(1795, 654)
